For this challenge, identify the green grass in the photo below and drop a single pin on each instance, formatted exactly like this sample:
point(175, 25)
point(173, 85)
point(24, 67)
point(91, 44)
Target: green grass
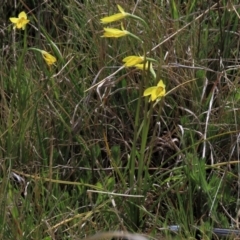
point(83, 152)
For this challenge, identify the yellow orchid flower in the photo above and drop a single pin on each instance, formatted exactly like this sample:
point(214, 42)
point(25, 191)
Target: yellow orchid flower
point(114, 33)
point(131, 61)
point(21, 21)
point(120, 16)
point(142, 66)
point(156, 92)
point(115, 17)
point(49, 59)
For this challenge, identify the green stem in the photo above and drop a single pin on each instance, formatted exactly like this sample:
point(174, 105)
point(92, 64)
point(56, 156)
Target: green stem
point(145, 129)
point(138, 18)
point(133, 150)
point(20, 63)
point(20, 78)
point(136, 37)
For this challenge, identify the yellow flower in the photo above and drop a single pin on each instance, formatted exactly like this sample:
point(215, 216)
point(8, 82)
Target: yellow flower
point(115, 17)
point(156, 92)
point(142, 65)
point(49, 59)
point(114, 33)
point(21, 21)
point(131, 61)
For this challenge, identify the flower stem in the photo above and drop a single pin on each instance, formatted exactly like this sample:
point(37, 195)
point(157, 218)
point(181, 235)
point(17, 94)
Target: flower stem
point(136, 37)
point(140, 19)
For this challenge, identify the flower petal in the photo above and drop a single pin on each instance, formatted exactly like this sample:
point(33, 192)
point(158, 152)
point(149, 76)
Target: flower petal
point(132, 60)
point(115, 17)
point(142, 66)
point(114, 32)
point(112, 18)
point(13, 20)
point(22, 15)
point(121, 9)
point(161, 84)
point(149, 91)
point(154, 95)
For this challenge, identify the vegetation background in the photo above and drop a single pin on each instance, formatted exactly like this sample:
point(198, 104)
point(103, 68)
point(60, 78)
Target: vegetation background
point(78, 158)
